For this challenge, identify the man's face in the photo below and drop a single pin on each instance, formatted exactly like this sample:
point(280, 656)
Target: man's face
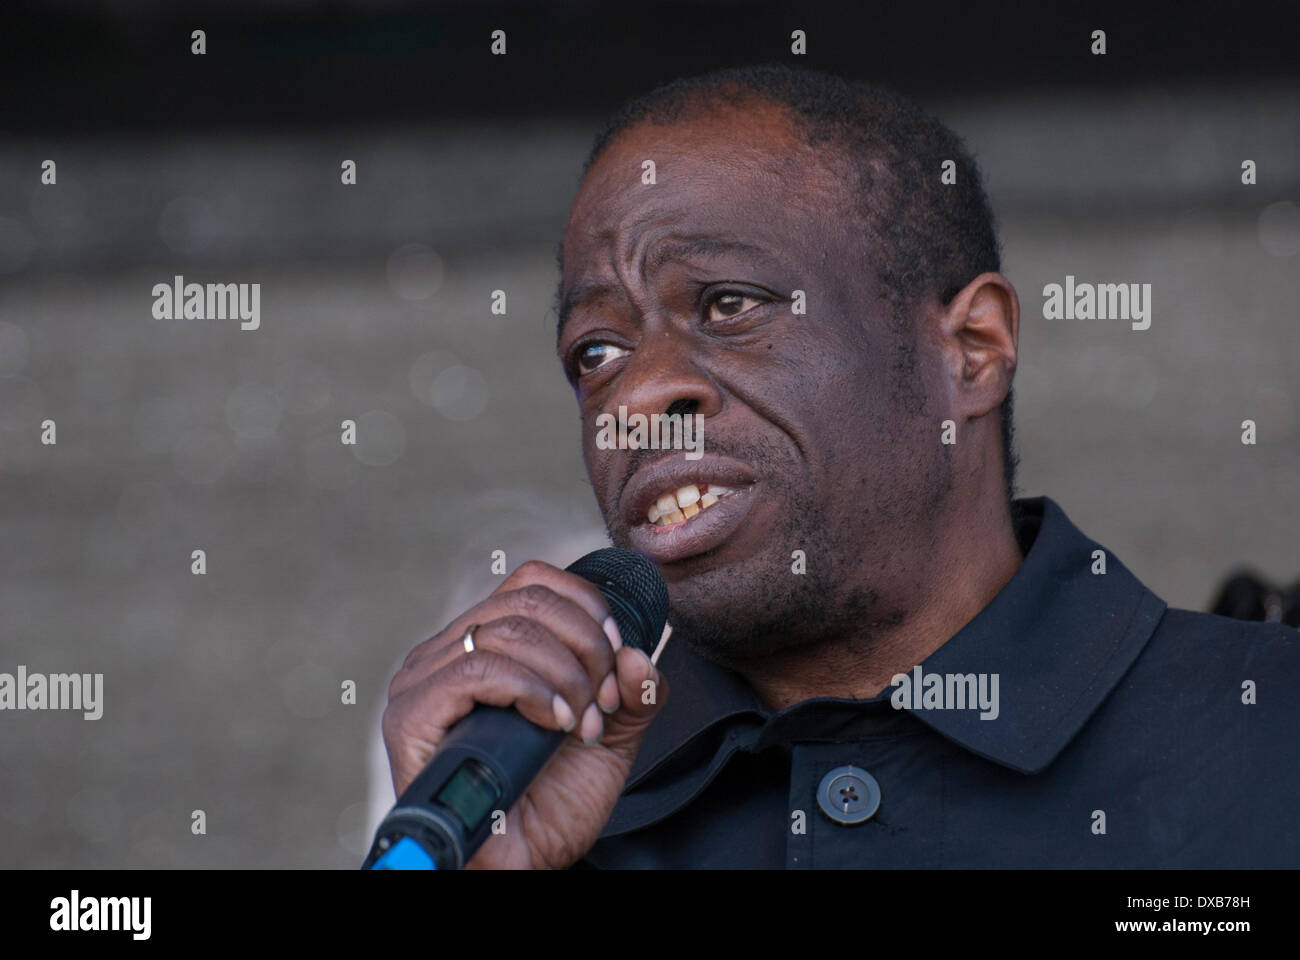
point(817, 422)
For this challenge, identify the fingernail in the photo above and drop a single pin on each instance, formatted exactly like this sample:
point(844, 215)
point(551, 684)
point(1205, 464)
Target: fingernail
point(592, 725)
point(611, 631)
point(608, 695)
point(563, 714)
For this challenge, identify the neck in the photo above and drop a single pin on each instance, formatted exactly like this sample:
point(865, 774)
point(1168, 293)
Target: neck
point(976, 557)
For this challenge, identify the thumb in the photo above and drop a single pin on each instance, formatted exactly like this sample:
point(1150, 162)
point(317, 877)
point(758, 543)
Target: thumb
point(642, 693)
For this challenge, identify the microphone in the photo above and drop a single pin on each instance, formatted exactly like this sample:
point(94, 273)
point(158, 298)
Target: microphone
point(489, 758)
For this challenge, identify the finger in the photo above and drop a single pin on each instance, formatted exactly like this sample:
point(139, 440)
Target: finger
point(561, 615)
point(643, 690)
point(531, 643)
point(582, 592)
point(417, 721)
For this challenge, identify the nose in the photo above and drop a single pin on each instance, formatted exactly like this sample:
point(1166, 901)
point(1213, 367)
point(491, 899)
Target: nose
point(663, 377)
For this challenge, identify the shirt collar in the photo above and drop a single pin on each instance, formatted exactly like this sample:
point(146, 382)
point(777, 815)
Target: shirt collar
point(1058, 636)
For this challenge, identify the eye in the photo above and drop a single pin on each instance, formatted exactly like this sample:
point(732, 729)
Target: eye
point(597, 354)
point(728, 303)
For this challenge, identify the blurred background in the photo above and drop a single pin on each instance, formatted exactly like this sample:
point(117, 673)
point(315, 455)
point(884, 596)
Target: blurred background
point(326, 563)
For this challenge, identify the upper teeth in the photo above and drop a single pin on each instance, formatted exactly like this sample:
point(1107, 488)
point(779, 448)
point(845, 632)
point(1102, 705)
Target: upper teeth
point(685, 502)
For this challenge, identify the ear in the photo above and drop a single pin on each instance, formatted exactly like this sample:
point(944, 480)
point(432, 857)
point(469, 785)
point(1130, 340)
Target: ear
point(980, 329)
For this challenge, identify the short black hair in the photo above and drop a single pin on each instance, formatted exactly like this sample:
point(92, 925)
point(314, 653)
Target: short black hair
point(933, 237)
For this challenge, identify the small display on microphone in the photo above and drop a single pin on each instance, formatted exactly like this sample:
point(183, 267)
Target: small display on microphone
point(470, 794)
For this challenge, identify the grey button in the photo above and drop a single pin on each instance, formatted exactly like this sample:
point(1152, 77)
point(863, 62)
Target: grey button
point(849, 795)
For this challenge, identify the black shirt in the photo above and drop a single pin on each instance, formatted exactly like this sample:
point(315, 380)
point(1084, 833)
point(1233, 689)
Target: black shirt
point(1123, 736)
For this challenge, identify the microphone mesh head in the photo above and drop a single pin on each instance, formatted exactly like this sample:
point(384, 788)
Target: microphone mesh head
point(637, 594)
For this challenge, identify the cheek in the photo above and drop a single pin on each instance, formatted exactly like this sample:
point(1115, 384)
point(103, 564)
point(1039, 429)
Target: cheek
point(864, 415)
point(836, 386)
point(592, 456)
point(598, 462)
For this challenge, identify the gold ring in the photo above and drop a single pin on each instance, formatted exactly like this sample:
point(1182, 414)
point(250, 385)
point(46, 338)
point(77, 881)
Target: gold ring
point(468, 639)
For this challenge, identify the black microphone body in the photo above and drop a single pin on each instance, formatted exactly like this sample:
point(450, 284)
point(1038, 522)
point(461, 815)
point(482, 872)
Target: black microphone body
point(489, 758)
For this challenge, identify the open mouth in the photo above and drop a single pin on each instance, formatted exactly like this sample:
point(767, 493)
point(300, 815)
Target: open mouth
point(677, 509)
point(685, 502)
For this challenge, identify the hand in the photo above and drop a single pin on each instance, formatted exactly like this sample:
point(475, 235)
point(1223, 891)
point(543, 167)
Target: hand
point(545, 645)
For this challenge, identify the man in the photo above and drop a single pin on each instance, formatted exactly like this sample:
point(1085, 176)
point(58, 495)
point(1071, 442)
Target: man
point(879, 658)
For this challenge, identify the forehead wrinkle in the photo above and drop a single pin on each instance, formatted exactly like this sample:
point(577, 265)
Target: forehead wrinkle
point(651, 247)
point(698, 245)
point(582, 289)
point(654, 255)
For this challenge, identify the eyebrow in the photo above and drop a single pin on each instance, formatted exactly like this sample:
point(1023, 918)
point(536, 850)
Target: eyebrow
point(675, 248)
point(580, 293)
point(679, 248)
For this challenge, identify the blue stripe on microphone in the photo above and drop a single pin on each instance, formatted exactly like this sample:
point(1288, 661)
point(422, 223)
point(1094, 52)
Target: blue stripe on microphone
point(405, 854)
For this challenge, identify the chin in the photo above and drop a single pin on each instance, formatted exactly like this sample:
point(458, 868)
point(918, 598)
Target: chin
point(700, 601)
point(732, 601)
